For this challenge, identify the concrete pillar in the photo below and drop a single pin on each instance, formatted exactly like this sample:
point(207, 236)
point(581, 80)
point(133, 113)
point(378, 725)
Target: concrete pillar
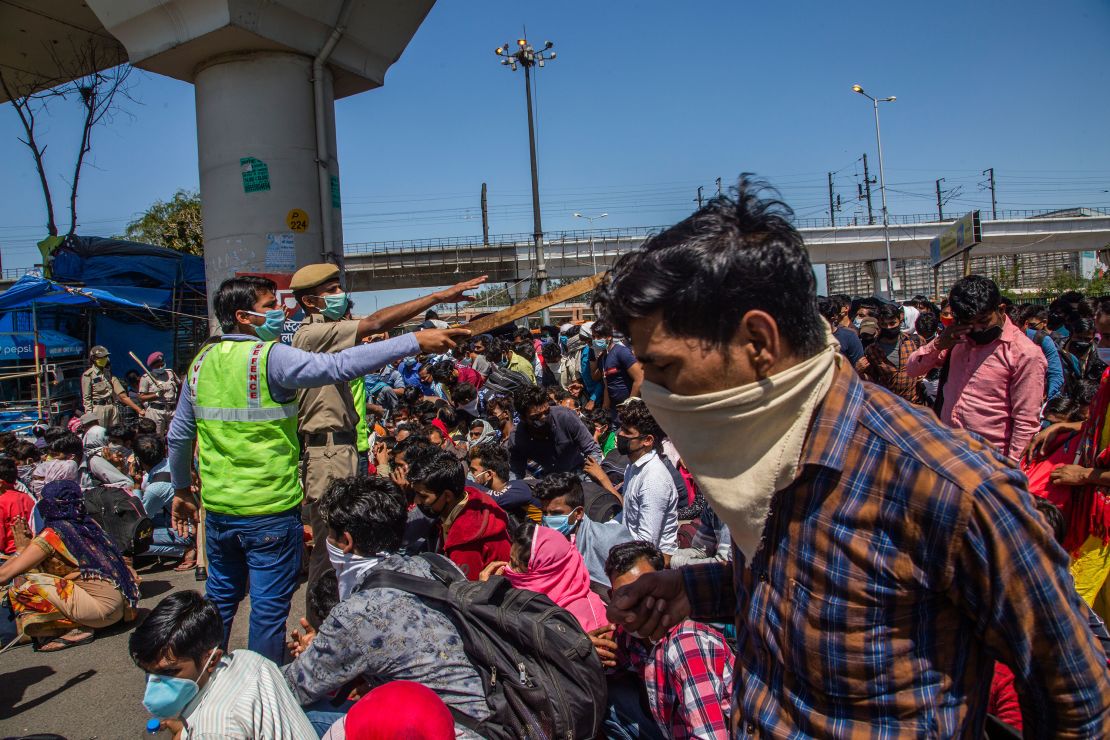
point(258, 172)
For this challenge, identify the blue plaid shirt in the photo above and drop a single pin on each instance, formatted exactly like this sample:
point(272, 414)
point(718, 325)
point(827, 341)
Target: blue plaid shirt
point(904, 559)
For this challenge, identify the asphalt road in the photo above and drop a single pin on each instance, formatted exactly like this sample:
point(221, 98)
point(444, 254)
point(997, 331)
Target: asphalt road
point(94, 691)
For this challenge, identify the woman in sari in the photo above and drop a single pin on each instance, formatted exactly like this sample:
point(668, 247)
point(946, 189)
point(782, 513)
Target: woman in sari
point(97, 589)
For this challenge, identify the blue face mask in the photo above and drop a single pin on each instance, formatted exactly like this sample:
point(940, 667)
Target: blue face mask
point(601, 344)
point(271, 328)
point(166, 696)
point(560, 523)
point(857, 322)
point(335, 305)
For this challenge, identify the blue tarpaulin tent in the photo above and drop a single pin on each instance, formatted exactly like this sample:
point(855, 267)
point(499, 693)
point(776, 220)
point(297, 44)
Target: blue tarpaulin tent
point(32, 288)
point(55, 344)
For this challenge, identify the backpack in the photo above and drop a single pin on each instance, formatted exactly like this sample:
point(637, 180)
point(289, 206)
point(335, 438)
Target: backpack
point(122, 517)
point(541, 674)
point(504, 382)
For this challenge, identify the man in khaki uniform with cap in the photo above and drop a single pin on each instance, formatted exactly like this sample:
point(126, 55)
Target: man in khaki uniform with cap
point(100, 389)
point(158, 391)
point(327, 418)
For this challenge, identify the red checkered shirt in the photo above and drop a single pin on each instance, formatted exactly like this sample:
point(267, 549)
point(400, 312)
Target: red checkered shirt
point(688, 678)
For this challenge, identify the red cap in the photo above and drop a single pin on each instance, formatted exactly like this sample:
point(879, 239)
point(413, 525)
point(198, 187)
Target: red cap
point(154, 356)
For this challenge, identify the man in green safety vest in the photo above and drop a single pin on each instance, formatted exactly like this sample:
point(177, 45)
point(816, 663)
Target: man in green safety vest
point(328, 418)
point(238, 407)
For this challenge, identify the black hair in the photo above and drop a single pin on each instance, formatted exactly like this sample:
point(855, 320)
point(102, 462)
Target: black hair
point(500, 401)
point(146, 426)
point(430, 314)
point(24, 450)
point(1071, 297)
point(149, 450)
point(973, 295)
point(373, 510)
point(239, 294)
point(624, 556)
point(829, 308)
point(9, 472)
point(551, 352)
point(526, 349)
point(1053, 519)
point(595, 417)
point(927, 324)
point(122, 432)
point(1083, 392)
point(1080, 324)
point(887, 312)
point(438, 474)
point(1040, 313)
point(601, 328)
point(492, 456)
point(184, 625)
point(520, 542)
point(567, 485)
point(734, 255)
point(68, 444)
point(442, 371)
point(52, 434)
point(323, 595)
point(1059, 406)
point(463, 394)
point(635, 415)
point(415, 448)
point(531, 397)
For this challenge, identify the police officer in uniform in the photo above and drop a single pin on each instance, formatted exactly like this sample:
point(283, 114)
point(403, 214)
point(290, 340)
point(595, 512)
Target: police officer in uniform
point(158, 391)
point(100, 389)
point(328, 421)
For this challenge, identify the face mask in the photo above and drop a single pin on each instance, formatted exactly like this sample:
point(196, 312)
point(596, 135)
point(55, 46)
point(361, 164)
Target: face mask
point(624, 445)
point(270, 329)
point(857, 322)
point(601, 344)
point(986, 336)
point(889, 333)
point(167, 696)
point(1104, 355)
point(101, 361)
point(1080, 348)
point(335, 305)
point(947, 320)
point(349, 567)
point(560, 523)
point(24, 472)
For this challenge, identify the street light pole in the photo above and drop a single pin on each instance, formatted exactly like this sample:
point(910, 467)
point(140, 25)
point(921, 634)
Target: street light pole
point(882, 187)
point(591, 219)
point(528, 57)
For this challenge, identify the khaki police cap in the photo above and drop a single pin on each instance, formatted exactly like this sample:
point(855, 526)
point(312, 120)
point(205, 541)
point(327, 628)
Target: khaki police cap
point(310, 276)
point(98, 351)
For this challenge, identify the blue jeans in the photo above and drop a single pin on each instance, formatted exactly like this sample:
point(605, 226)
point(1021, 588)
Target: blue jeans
point(626, 717)
point(166, 540)
point(264, 552)
point(322, 715)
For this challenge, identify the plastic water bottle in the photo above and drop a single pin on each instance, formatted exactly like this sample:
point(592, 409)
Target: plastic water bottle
point(153, 725)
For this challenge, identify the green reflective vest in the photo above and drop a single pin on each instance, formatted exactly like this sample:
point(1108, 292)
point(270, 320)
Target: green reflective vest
point(362, 432)
point(248, 450)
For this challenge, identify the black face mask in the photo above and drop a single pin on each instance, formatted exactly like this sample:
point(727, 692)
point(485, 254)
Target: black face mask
point(890, 333)
point(624, 445)
point(986, 336)
point(1080, 348)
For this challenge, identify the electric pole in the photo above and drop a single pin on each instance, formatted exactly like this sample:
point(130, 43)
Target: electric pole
point(528, 57)
point(718, 187)
point(940, 203)
point(699, 197)
point(485, 217)
point(867, 181)
point(994, 199)
point(832, 206)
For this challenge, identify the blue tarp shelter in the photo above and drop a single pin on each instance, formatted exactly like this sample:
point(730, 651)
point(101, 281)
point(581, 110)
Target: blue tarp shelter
point(55, 343)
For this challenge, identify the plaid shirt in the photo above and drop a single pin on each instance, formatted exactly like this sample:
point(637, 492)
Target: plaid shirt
point(904, 559)
point(876, 367)
point(687, 675)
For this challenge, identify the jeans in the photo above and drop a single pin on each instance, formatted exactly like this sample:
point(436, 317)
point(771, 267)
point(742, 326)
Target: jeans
point(166, 540)
point(262, 551)
point(322, 714)
point(626, 717)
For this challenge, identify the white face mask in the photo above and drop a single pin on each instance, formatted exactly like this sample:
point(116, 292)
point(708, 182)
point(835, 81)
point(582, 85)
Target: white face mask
point(350, 568)
point(1104, 355)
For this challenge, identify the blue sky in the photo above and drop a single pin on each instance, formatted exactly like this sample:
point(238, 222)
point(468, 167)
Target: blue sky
point(648, 100)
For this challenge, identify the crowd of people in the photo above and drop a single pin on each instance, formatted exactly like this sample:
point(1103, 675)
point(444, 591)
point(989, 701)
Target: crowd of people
point(757, 511)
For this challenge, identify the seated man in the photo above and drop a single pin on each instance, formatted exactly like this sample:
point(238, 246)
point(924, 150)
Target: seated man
point(157, 494)
point(563, 508)
point(687, 674)
point(380, 635)
point(474, 530)
point(711, 543)
point(552, 437)
point(650, 494)
point(192, 683)
point(489, 467)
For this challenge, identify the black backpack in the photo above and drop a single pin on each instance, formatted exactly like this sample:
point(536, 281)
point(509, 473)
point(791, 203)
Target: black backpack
point(505, 382)
point(541, 674)
point(122, 517)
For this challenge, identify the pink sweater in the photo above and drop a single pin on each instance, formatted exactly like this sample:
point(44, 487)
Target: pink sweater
point(994, 390)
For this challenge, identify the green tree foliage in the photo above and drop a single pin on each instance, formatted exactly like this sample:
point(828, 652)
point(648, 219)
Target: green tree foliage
point(174, 223)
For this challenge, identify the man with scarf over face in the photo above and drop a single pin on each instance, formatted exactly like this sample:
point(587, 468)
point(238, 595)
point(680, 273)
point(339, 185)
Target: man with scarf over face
point(882, 561)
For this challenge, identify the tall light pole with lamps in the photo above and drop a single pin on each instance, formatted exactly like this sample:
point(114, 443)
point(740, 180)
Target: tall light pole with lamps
point(527, 57)
point(882, 187)
point(591, 219)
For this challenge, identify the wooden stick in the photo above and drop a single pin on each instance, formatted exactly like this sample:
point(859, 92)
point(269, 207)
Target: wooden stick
point(532, 305)
point(200, 540)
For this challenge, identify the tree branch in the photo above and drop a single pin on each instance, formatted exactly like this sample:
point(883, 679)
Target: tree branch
point(25, 111)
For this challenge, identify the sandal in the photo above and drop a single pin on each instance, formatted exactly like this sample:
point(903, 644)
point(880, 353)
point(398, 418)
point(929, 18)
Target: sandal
point(61, 643)
point(188, 561)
